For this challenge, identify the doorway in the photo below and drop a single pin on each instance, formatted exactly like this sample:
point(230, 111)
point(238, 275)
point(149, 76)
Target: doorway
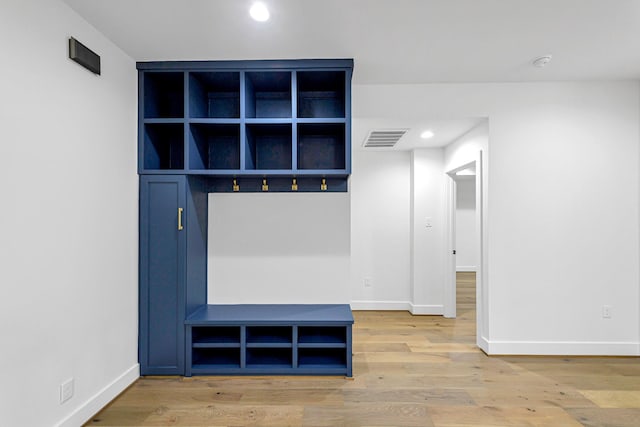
point(459, 179)
point(465, 244)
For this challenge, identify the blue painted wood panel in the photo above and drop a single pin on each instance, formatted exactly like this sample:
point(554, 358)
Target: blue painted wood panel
point(272, 314)
point(173, 267)
point(162, 274)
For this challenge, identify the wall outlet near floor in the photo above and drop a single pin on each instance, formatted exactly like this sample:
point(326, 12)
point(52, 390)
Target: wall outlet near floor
point(606, 312)
point(66, 390)
point(368, 282)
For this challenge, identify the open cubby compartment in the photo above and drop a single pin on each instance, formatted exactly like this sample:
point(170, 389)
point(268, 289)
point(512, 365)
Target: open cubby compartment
point(163, 95)
point(214, 146)
point(215, 357)
point(273, 357)
point(269, 335)
point(214, 95)
point(268, 146)
point(268, 94)
point(211, 336)
point(322, 335)
point(322, 357)
point(321, 146)
point(321, 94)
point(163, 146)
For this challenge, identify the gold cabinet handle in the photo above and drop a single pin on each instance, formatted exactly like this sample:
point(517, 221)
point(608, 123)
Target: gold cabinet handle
point(180, 227)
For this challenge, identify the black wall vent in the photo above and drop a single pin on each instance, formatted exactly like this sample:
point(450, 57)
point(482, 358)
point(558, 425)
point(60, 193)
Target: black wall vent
point(84, 56)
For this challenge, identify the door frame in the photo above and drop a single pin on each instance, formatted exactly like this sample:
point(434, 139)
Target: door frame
point(450, 235)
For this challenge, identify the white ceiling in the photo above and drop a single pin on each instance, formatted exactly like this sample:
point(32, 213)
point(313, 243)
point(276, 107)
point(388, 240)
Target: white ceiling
point(391, 41)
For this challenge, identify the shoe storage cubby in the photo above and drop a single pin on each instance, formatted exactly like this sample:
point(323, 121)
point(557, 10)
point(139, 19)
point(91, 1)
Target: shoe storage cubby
point(321, 94)
point(268, 94)
point(268, 147)
point(233, 119)
point(163, 146)
point(282, 339)
point(214, 95)
point(163, 95)
point(214, 146)
point(321, 146)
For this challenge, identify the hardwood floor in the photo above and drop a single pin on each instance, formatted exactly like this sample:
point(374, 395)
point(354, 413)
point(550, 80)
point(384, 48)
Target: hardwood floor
point(408, 371)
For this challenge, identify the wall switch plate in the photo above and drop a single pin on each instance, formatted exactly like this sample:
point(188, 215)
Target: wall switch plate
point(66, 390)
point(606, 312)
point(368, 282)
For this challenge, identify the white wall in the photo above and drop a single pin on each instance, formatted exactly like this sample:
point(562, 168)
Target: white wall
point(427, 231)
point(68, 251)
point(380, 187)
point(466, 239)
point(562, 210)
point(278, 248)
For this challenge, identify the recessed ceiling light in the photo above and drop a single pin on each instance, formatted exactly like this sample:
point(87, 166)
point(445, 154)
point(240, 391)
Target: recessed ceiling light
point(427, 134)
point(259, 12)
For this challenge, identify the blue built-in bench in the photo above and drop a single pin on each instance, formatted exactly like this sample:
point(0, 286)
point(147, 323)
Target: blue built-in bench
point(269, 339)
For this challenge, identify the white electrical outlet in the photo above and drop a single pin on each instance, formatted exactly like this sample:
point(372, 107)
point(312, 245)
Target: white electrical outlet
point(368, 282)
point(66, 390)
point(606, 312)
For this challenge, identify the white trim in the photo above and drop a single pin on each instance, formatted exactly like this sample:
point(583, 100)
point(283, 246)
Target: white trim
point(381, 305)
point(466, 268)
point(483, 343)
point(398, 306)
point(566, 348)
point(92, 406)
point(449, 245)
point(434, 310)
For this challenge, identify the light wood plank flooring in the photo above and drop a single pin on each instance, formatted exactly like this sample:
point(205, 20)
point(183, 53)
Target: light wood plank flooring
point(408, 371)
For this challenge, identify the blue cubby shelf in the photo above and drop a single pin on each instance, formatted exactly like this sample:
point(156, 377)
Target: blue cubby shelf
point(275, 339)
point(246, 119)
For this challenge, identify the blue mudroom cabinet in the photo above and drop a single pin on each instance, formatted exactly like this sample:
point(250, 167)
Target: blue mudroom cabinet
point(232, 126)
point(173, 267)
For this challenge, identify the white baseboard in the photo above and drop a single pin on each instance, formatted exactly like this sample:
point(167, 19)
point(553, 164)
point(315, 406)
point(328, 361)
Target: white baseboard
point(543, 348)
point(434, 310)
point(381, 305)
point(483, 343)
point(466, 268)
point(398, 305)
point(92, 406)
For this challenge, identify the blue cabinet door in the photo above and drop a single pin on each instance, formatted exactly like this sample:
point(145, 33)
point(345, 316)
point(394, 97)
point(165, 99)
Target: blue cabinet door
point(162, 274)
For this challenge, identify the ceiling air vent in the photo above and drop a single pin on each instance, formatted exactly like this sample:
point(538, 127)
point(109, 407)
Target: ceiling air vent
point(384, 138)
